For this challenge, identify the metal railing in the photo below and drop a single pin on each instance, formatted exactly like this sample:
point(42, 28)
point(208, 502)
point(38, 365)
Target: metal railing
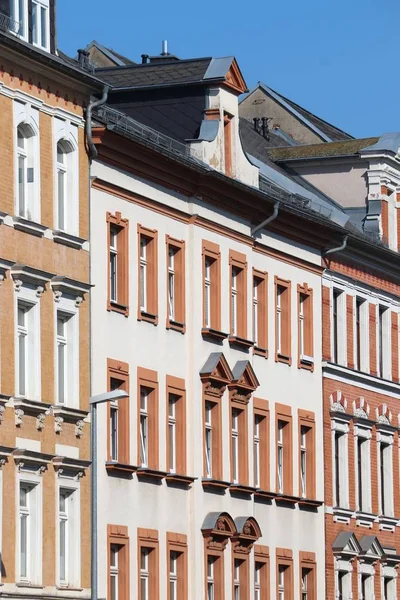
point(8, 24)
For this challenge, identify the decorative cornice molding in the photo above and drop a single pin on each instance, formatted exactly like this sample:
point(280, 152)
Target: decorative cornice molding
point(23, 274)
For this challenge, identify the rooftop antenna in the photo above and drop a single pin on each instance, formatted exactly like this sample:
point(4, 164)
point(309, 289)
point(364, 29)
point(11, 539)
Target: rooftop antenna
point(164, 48)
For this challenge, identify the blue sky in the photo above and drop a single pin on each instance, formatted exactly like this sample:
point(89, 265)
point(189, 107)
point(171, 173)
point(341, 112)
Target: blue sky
point(337, 59)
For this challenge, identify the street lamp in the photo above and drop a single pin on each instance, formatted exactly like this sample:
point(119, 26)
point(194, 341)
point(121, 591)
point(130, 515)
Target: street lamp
point(94, 401)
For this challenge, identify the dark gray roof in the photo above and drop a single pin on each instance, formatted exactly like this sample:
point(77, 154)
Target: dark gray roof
point(211, 519)
point(343, 539)
point(367, 541)
point(155, 74)
point(254, 143)
point(211, 363)
point(240, 368)
point(241, 521)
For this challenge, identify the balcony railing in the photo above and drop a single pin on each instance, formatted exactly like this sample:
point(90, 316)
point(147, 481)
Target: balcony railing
point(8, 24)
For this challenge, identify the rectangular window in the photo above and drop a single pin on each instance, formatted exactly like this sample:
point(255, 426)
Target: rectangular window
point(260, 312)
point(361, 335)
point(384, 341)
point(118, 263)
point(29, 533)
point(282, 588)
point(363, 471)
point(340, 469)
point(261, 572)
point(175, 284)
point(19, 17)
point(118, 563)
point(339, 338)
point(239, 451)
point(284, 450)
point(235, 444)
point(240, 577)
point(148, 275)
point(212, 439)
point(305, 326)
point(307, 455)
point(211, 584)
point(282, 321)
point(284, 575)
point(28, 349)
point(386, 478)
point(40, 23)
point(236, 579)
point(211, 286)
point(148, 565)
point(177, 572)
point(176, 425)
point(261, 454)
point(238, 314)
point(308, 576)
point(67, 348)
point(69, 537)
point(118, 413)
point(148, 434)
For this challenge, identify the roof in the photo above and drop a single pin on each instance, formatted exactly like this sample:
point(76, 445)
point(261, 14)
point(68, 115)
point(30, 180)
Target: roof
point(325, 130)
point(109, 53)
point(387, 142)
point(323, 150)
point(255, 143)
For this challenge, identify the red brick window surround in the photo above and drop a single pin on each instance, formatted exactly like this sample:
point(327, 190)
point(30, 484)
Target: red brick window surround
point(307, 468)
point(283, 338)
point(176, 425)
point(148, 564)
point(284, 574)
point(147, 418)
point(261, 573)
point(261, 441)
point(118, 263)
point(118, 562)
point(175, 284)
point(284, 450)
point(211, 287)
point(118, 450)
point(147, 275)
point(305, 327)
point(238, 295)
point(260, 312)
point(308, 575)
point(177, 566)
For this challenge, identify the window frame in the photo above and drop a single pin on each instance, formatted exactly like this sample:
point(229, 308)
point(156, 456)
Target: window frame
point(42, 5)
point(212, 319)
point(307, 562)
point(176, 320)
point(383, 340)
point(361, 334)
point(305, 327)
point(284, 560)
point(283, 319)
point(121, 304)
point(364, 462)
point(67, 309)
point(260, 337)
point(149, 311)
point(74, 544)
point(148, 540)
point(228, 142)
point(26, 120)
point(261, 557)
point(119, 371)
point(177, 542)
point(66, 135)
point(306, 420)
point(340, 430)
point(176, 387)
point(261, 410)
point(148, 379)
point(243, 580)
point(15, 16)
point(216, 438)
point(117, 535)
point(238, 295)
point(386, 493)
point(283, 414)
point(240, 434)
point(28, 299)
point(35, 535)
point(338, 326)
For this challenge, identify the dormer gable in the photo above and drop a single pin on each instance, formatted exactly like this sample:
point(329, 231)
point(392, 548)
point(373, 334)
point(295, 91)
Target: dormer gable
point(244, 376)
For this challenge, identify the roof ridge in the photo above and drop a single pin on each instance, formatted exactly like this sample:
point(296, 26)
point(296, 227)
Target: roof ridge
point(155, 64)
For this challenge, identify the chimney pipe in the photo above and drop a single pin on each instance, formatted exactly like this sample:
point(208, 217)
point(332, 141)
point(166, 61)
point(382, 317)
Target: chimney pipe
point(144, 58)
point(256, 122)
point(164, 47)
point(265, 128)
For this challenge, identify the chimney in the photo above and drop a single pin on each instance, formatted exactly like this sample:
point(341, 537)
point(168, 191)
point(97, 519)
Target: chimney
point(83, 58)
point(164, 48)
point(265, 128)
point(144, 58)
point(256, 122)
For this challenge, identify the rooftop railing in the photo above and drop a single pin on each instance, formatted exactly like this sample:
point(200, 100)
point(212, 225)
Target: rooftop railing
point(8, 24)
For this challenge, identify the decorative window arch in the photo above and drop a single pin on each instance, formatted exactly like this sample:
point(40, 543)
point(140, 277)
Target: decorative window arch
point(384, 414)
point(361, 408)
point(66, 192)
point(217, 529)
point(338, 402)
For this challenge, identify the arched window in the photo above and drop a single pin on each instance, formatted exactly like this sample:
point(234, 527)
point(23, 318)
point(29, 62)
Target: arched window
point(26, 171)
point(65, 185)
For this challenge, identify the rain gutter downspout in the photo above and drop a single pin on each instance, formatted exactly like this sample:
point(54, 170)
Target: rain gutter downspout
point(338, 249)
point(267, 221)
point(88, 124)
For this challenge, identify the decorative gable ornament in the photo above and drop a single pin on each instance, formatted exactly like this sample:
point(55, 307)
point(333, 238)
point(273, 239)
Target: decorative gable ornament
point(217, 529)
point(247, 533)
point(383, 415)
point(244, 382)
point(216, 374)
point(361, 408)
point(234, 79)
point(338, 402)
point(346, 546)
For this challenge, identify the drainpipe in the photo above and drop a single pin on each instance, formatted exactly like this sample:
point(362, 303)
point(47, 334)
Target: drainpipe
point(338, 249)
point(88, 124)
point(269, 220)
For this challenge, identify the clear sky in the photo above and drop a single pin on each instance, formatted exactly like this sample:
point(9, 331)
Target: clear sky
point(339, 59)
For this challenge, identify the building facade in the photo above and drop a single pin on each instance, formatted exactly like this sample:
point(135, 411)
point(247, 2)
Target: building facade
point(44, 314)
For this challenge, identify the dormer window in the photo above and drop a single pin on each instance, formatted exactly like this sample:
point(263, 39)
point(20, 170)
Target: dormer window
point(40, 23)
point(19, 14)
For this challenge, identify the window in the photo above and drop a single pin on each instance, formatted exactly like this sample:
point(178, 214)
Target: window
point(212, 439)
point(363, 470)
point(65, 185)
point(384, 340)
point(260, 312)
point(284, 453)
point(304, 585)
point(389, 588)
point(27, 175)
point(118, 413)
point(208, 438)
point(238, 314)
point(40, 23)
point(148, 274)
point(175, 284)
point(118, 563)
point(29, 533)
point(67, 357)
point(284, 574)
point(239, 452)
point(367, 587)
point(28, 349)
point(338, 327)
point(307, 458)
point(236, 579)
point(19, 14)
point(69, 537)
point(148, 564)
point(261, 572)
point(261, 444)
point(282, 320)
point(308, 579)
point(148, 418)
point(211, 286)
point(228, 144)
point(281, 583)
point(210, 578)
point(305, 326)
point(361, 336)
point(235, 445)
point(177, 573)
point(340, 434)
point(118, 263)
point(176, 426)
point(240, 577)
point(386, 476)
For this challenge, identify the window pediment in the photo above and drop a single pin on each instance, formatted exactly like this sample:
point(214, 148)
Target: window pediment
point(217, 529)
point(247, 533)
point(216, 374)
point(22, 274)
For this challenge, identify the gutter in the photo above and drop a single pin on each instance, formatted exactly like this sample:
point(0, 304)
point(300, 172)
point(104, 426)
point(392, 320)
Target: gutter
point(337, 249)
point(88, 122)
point(268, 220)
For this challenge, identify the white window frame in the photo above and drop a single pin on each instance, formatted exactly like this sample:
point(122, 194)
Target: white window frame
point(27, 116)
point(342, 428)
point(256, 450)
point(18, 6)
point(114, 417)
point(172, 252)
point(67, 133)
point(256, 284)
point(302, 299)
point(66, 307)
point(258, 566)
point(144, 242)
point(35, 529)
point(172, 426)
point(173, 574)
point(364, 334)
point(345, 568)
point(390, 574)
point(144, 572)
point(114, 568)
point(280, 290)
point(364, 434)
point(211, 560)
point(304, 583)
point(281, 582)
point(235, 272)
point(341, 350)
point(235, 444)
point(303, 460)
point(73, 558)
point(388, 440)
point(144, 426)
point(27, 297)
point(236, 579)
point(280, 454)
point(386, 370)
point(207, 291)
point(113, 250)
point(208, 416)
point(42, 5)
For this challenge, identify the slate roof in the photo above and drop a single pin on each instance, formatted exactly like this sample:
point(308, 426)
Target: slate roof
point(158, 73)
point(254, 143)
point(323, 150)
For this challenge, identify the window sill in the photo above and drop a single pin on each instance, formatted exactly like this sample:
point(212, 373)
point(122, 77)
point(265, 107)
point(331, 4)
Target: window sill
point(123, 309)
point(67, 588)
point(176, 479)
point(286, 499)
point(146, 473)
point(387, 523)
point(214, 484)
point(310, 502)
point(235, 340)
point(213, 334)
point(260, 351)
point(67, 239)
point(32, 586)
point(27, 226)
point(342, 515)
point(117, 467)
point(260, 493)
point(148, 317)
point(364, 519)
point(237, 488)
point(306, 365)
point(282, 358)
point(176, 326)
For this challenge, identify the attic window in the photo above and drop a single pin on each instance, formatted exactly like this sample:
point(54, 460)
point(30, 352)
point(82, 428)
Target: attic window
point(19, 16)
point(228, 143)
point(40, 23)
